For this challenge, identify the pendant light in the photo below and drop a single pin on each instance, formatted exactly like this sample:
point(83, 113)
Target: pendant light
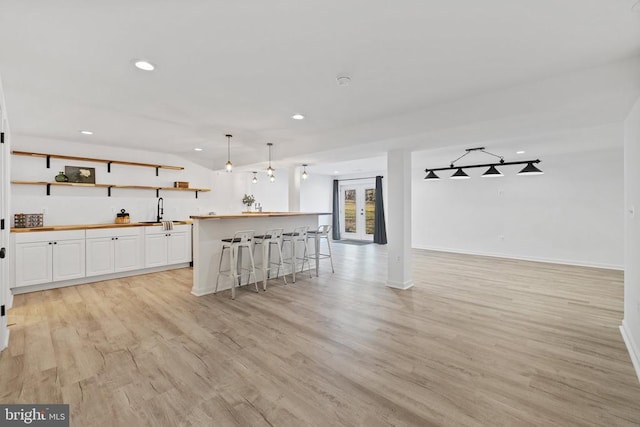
point(492, 172)
point(431, 175)
point(270, 170)
point(460, 174)
point(255, 177)
point(229, 165)
point(305, 175)
point(272, 178)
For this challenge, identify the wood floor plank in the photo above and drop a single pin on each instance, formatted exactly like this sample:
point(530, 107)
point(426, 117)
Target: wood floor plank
point(477, 341)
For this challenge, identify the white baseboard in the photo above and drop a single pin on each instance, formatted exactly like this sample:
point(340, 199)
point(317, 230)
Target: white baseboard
point(5, 344)
point(93, 279)
point(523, 258)
point(400, 285)
point(631, 347)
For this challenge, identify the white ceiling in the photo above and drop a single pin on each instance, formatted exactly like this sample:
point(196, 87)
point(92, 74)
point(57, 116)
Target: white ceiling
point(425, 73)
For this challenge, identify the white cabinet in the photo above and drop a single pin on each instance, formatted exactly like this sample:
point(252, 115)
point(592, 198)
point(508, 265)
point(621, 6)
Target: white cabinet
point(167, 247)
point(49, 256)
point(112, 250)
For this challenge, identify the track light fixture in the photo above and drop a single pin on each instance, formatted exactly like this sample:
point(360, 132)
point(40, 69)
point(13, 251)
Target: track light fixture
point(228, 165)
point(255, 177)
point(492, 171)
point(270, 170)
point(305, 175)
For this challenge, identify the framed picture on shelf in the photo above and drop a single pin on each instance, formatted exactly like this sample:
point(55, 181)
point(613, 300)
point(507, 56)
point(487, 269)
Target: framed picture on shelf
point(80, 174)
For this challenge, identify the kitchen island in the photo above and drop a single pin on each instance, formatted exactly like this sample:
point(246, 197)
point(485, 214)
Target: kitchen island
point(209, 230)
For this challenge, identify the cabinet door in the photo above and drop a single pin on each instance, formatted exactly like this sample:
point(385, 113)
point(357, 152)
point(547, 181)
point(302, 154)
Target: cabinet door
point(179, 249)
point(155, 250)
point(68, 259)
point(33, 263)
point(128, 253)
point(100, 256)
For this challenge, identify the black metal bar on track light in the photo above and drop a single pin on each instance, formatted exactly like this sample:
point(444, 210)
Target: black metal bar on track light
point(485, 165)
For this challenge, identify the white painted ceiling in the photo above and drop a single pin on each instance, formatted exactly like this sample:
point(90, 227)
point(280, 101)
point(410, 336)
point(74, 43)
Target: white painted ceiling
point(425, 73)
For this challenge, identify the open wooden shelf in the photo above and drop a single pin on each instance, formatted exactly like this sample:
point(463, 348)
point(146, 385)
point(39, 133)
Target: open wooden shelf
point(49, 156)
point(109, 186)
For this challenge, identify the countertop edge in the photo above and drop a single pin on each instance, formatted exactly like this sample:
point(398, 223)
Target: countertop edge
point(92, 226)
point(257, 215)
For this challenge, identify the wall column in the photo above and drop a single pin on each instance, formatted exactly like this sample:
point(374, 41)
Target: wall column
point(399, 219)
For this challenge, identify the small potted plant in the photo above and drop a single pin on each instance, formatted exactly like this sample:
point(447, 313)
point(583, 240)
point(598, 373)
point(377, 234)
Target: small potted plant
point(248, 200)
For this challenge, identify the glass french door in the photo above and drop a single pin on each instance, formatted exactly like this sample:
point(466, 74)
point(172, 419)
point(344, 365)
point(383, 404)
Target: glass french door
point(357, 211)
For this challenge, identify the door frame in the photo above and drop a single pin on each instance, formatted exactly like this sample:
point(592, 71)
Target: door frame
point(6, 299)
point(359, 186)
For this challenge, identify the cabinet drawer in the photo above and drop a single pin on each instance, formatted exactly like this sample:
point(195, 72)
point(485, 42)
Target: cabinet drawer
point(114, 232)
point(44, 236)
point(157, 229)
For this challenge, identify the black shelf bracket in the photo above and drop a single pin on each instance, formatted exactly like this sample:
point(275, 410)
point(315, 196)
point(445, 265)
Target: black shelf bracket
point(109, 167)
point(108, 191)
point(2, 138)
point(48, 162)
point(157, 192)
point(48, 189)
point(196, 194)
point(157, 169)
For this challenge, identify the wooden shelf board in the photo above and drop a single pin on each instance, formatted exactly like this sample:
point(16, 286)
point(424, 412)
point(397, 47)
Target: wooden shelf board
point(91, 159)
point(79, 184)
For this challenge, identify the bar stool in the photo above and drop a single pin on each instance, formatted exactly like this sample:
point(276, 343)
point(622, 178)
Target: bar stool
point(299, 235)
point(265, 242)
point(240, 241)
point(322, 233)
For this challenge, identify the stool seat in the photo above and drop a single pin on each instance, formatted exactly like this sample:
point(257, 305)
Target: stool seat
point(291, 234)
point(263, 237)
point(234, 240)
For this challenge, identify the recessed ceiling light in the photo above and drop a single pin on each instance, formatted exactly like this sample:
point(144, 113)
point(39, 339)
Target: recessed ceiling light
point(520, 152)
point(145, 65)
point(197, 149)
point(336, 172)
point(297, 117)
point(86, 132)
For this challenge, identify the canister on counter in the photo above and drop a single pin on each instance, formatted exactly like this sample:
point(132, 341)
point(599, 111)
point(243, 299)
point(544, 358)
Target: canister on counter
point(122, 217)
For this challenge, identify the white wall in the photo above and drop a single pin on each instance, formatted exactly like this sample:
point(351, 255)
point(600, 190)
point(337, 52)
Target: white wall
point(316, 195)
point(572, 214)
point(631, 323)
point(69, 205)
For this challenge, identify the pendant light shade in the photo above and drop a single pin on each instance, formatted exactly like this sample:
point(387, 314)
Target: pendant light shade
point(460, 174)
point(431, 175)
point(272, 178)
point(228, 166)
point(492, 172)
point(530, 169)
point(270, 170)
point(255, 177)
point(305, 175)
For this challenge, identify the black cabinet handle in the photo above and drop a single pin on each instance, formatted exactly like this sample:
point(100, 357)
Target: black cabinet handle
point(55, 243)
point(3, 253)
point(51, 243)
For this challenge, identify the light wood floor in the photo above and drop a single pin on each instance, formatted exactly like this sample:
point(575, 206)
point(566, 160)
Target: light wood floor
point(477, 341)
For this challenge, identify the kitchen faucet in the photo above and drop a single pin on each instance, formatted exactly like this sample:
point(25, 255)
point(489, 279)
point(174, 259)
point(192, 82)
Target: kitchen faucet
point(160, 209)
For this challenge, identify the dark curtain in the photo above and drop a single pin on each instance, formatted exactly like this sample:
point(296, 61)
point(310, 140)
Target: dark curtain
point(380, 230)
point(335, 224)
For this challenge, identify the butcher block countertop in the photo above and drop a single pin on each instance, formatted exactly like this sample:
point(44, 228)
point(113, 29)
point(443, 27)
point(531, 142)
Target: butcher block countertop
point(91, 226)
point(257, 215)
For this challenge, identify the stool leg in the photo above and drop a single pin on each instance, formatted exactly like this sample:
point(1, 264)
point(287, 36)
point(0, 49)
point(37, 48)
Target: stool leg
point(234, 271)
point(306, 257)
point(266, 264)
point(219, 268)
point(317, 243)
point(253, 270)
point(293, 259)
point(280, 263)
point(330, 255)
